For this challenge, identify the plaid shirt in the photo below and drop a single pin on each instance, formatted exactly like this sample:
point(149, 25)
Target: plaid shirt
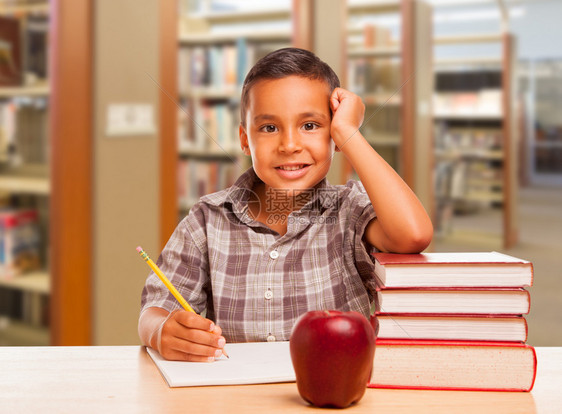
point(255, 283)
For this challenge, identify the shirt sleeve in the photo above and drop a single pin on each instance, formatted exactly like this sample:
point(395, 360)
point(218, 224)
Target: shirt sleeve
point(361, 214)
point(184, 261)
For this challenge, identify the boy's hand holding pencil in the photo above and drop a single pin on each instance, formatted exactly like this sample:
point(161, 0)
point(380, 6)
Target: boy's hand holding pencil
point(182, 335)
point(187, 336)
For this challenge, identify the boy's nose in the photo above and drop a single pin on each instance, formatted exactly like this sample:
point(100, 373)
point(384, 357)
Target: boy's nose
point(290, 142)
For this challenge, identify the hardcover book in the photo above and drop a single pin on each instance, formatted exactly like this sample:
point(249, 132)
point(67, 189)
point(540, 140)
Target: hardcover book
point(501, 301)
point(452, 327)
point(10, 55)
point(449, 365)
point(480, 269)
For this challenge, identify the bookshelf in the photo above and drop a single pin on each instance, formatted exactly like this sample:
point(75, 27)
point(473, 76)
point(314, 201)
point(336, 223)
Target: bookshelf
point(475, 141)
point(390, 67)
point(25, 188)
point(215, 51)
point(323, 27)
point(18, 91)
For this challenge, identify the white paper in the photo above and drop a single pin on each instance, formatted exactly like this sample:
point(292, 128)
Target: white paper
point(249, 363)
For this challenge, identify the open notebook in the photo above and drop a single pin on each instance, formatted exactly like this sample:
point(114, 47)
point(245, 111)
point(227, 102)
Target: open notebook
point(249, 363)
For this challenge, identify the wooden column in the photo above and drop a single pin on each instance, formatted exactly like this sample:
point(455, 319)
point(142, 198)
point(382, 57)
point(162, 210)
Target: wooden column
point(168, 101)
point(70, 71)
point(302, 20)
point(510, 231)
point(329, 21)
point(417, 161)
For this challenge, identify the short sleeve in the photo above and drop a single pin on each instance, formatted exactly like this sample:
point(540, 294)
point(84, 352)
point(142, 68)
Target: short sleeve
point(184, 261)
point(361, 213)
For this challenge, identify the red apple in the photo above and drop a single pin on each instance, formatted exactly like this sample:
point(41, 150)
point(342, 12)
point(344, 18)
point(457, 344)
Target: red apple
point(332, 353)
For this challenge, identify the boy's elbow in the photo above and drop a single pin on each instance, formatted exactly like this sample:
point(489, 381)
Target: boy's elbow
point(420, 238)
point(416, 241)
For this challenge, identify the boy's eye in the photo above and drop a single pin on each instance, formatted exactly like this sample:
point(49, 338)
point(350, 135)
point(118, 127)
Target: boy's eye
point(309, 126)
point(269, 128)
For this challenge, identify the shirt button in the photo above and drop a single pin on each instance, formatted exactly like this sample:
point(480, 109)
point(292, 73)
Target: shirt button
point(268, 294)
point(274, 254)
point(271, 338)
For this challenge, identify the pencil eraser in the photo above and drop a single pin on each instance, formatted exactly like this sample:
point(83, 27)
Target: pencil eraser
point(139, 249)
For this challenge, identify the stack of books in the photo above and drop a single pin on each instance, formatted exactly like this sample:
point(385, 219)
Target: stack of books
point(453, 321)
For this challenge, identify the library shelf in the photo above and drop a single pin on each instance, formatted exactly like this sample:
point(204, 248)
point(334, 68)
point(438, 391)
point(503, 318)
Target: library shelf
point(548, 144)
point(475, 138)
point(387, 99)
point(468, 38)
point(186, 205)
point(464, 63)
point(19, 91)
point(25, 185)
point(484, 197)
point(37, 282)
point(18, 9)
point(374, 6)
point(15, 333)
point(209, 154)
point(384, 140)
point(233, 16)
point(401, 128)
point(381, 52)
point(197, 39)
point(451, 116)
point(214, 54)
point(497, 183)
point(453, 154)
point(211, 93)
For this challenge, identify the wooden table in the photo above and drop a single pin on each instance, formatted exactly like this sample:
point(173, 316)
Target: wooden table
point(123, 379)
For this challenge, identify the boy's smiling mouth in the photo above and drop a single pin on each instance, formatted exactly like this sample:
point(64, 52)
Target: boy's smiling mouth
point(292, 167)
point(292, 171)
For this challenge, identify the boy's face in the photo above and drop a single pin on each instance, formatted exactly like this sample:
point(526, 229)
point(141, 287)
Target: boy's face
point(287, 132)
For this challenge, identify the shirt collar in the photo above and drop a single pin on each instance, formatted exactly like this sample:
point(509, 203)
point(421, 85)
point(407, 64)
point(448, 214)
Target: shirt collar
point(238, 195)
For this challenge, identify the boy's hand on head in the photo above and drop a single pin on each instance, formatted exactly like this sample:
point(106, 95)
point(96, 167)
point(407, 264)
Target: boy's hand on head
point(186, 336)
point(348, 111)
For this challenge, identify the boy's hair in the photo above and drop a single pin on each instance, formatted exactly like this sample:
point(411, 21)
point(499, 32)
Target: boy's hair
point(289, 61)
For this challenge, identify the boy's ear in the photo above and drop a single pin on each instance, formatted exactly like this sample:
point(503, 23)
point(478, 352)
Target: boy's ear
point(243, 140)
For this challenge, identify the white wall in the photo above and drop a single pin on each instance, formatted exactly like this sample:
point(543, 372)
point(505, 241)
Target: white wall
point(540, 30)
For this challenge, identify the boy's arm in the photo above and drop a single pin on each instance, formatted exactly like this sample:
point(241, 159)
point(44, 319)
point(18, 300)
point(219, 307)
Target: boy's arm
point(402, 224)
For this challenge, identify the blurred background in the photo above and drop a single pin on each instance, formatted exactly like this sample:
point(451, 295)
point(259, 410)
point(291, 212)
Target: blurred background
point(116, 115)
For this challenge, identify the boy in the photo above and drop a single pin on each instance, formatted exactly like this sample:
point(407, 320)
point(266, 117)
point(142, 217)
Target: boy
point(282, 241)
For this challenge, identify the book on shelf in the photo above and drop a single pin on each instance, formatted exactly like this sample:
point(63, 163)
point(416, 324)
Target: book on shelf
point(30, 308)
point(487, 327)
point(219, 67)
point(37, 40)
point(486, 103)
point(10, 53)
point(7, 129)
point(19, 242)
point(197, 178)
point(209, 127)
point(23, 130)
point(462, 269)
point(483, 301)
point(454, 365)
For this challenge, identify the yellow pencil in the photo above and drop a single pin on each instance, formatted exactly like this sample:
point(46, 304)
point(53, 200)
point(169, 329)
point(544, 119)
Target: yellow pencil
point(168, 284)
